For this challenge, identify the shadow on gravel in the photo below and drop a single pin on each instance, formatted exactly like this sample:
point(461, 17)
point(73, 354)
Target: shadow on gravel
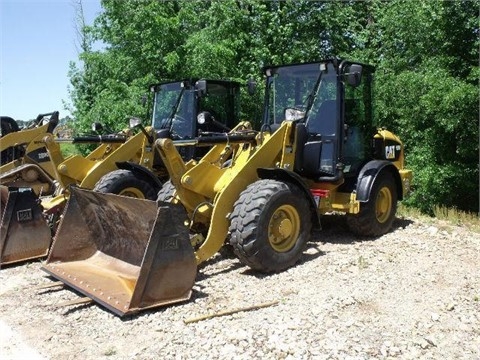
point(20, 263)
point(131, 317)
point(311, 253)
point(335, 230)
point(401, 223)
point(76, 308)
point(231, 267)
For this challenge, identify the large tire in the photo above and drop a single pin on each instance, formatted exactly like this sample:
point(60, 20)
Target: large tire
point(9, 125)
point(166, 192)
point(124, 182)
point(270, 225)
point(377, 214)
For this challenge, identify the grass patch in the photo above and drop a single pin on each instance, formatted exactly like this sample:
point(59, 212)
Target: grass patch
point(451, 216)
point(457, 217)
point(412, 213)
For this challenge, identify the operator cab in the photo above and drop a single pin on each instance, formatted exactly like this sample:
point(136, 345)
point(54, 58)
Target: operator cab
point(177, 105)
point(331, 103)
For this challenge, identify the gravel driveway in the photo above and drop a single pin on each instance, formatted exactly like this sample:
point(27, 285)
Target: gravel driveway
point(411, 294)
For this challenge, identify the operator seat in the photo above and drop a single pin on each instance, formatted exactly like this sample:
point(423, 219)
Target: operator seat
point(315, 159)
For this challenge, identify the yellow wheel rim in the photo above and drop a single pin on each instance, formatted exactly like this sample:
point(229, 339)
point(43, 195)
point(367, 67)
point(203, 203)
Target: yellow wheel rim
point(383, 205)
point(132, 192)
point(284, 228)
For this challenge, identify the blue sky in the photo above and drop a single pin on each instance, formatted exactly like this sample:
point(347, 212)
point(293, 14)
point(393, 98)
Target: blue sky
point(37, 42)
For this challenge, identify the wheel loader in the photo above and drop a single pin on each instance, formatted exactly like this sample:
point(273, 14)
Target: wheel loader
point(24, 156)
point(123, 163)
point(260, 192)
point(24, 229)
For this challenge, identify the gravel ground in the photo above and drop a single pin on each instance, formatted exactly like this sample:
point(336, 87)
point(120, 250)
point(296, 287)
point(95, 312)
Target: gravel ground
point(411, 294)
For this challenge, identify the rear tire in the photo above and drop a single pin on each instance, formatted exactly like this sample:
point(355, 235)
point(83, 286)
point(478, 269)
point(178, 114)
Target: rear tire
point(377, 214)
point(125, 183)
point(8, 126)
point(270, 225)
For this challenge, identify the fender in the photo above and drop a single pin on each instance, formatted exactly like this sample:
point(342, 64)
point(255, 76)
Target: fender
point(290, 176)
point(141, 172)
point(369, 174)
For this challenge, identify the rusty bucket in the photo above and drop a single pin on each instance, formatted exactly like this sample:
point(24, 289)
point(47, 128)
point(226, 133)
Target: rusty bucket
point(24, 233)
point(124, 253)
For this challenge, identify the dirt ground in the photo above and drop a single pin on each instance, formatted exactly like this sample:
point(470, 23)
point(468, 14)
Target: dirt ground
point(413, 293)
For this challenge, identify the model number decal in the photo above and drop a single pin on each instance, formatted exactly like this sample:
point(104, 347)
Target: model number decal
point(39, 155)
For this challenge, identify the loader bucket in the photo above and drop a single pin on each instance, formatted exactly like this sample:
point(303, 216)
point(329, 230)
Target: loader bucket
point(24, 233)
point(124, 253)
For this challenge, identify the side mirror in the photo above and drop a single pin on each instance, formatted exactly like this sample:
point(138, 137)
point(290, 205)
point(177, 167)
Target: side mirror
point(201, 87)
point(137, 122)
point(354, 75)
point(251, 86)
point(97, 127)
point(206, 117)
point(292, 114)
point(134, 122)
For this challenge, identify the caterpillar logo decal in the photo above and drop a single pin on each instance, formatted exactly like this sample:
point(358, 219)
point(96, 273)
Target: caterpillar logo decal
point(24, 215)
point(392, 152)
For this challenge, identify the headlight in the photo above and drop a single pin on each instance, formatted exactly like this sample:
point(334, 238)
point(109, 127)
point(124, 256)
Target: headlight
point(201, 118)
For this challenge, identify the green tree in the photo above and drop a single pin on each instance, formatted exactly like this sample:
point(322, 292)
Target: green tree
point(426, 54)
point(148, 41)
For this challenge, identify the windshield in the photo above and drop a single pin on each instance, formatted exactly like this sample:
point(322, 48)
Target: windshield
point(166, 96)
point(300, 87)
point(290, 87)
point(173, 108)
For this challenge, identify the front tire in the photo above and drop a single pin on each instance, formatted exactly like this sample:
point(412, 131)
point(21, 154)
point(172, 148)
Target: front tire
point(377, 214)
point(270, 225)
point(125, 183)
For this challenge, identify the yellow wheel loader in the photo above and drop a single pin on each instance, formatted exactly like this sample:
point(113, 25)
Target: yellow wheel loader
point(24, 157)
point(123, 164)
point(261, 192)
point(24, 231)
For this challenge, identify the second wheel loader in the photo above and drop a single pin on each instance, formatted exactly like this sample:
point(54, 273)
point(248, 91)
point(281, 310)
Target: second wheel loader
point(121, 164)
point(262, 192)
point(24, 157)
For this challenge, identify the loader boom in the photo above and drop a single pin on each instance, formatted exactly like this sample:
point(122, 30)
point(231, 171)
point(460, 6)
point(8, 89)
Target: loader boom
point(208, 190)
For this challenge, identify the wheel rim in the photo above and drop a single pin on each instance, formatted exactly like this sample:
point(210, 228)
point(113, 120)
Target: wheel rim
point(383, 205)
point(284, 228)
point(132, 192)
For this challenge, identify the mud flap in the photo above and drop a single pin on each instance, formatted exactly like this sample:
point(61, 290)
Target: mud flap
point(24, 233)
point(124, 253)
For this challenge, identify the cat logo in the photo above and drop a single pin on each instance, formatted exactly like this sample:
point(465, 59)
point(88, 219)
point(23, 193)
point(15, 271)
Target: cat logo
point(24, 215)
point(390, 152)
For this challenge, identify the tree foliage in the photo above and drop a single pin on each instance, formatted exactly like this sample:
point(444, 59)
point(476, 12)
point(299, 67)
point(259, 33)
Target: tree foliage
point(426, 54)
